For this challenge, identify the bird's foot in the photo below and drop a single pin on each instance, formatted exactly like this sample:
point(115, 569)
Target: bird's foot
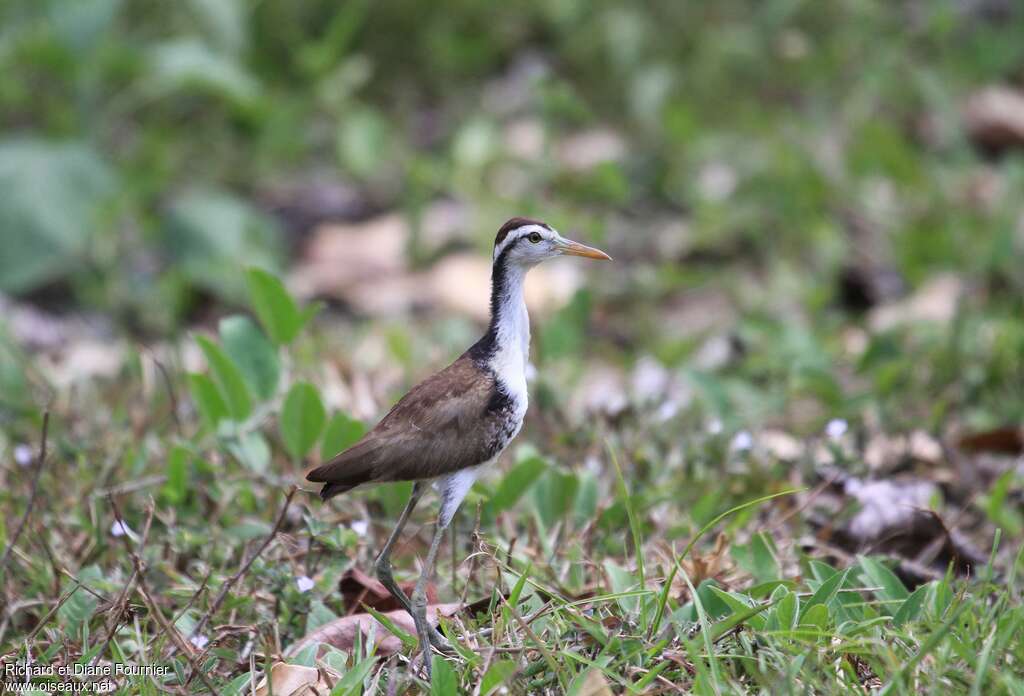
point(440, 643)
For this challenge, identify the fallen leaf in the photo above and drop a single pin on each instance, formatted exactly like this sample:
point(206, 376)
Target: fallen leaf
point(594, 684)
point(341, 633)
point(994, 117)
point(357, 589)
point(590, 148)
point(296, 680)
point(935, 301)
point(999, 440)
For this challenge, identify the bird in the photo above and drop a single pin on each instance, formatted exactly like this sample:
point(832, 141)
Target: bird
point(453, 424)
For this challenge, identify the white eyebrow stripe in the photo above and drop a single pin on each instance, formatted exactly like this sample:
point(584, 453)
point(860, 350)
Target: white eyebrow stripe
point(519, 233)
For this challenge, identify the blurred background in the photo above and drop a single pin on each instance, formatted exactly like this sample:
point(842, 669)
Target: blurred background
point(803, 177)
point(816, 211)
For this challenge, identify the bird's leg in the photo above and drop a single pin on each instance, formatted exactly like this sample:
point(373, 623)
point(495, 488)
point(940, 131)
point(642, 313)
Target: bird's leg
point(428, 635)
point(383, 567)
point(383, 562)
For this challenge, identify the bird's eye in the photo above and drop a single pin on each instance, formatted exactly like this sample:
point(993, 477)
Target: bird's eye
point(534, 237)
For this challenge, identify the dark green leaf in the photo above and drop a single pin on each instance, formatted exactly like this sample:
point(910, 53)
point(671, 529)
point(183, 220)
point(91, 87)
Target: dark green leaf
point(254, 355)
point(341, 433)
point(228, 379)
point(275, 307)
point(302, 418)
point(443, 681)
point(516, 482)
point(208, 399)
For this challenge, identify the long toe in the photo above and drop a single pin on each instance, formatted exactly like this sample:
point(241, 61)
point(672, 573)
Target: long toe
point(440, 643)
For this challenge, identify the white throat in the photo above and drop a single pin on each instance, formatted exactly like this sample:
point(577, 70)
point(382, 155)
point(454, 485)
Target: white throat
point(512, 333)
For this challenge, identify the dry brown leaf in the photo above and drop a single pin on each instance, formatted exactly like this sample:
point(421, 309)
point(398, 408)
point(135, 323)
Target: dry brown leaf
point(935, 301)
point(341, 633)
point(296, 680)
point(358, 589)
point(594, 684)
point(998, 440)
point(994, 117)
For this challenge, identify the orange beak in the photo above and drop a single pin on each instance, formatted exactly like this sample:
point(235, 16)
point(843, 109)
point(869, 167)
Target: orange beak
point(571, 248)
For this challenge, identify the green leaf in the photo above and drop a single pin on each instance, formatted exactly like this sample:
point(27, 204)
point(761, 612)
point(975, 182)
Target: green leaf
point(526, 471)
point(341, 433)
point(875, 573)
point(443, 681)
point(758, 558)
point(254, 355)
point(498, 674)
point(275, 307)
point(816, 617)
point(207, 398)
point(352, 683)
point(175, 488)
point(229, 380)
point(207, 233)
point(826, 591)
point(80, 604)
point(912, 605)
point(52, 197)
point(302, 418)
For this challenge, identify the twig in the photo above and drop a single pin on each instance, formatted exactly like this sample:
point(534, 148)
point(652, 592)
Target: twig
point(31, 497)
point(170, 391)
point(244, 568)
point(151, 604)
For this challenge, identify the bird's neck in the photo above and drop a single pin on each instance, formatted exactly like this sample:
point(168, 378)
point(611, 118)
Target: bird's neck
point(506, 345)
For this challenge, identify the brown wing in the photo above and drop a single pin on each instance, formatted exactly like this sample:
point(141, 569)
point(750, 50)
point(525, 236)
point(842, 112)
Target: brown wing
point(440, 426)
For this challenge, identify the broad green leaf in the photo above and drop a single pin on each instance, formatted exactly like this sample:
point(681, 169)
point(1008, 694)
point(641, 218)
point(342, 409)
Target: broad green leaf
point(875, 573)
point(52, 199)
point(188, 64)
point(758, 558)
point(816, 616)
point(787, 610)
point(302, 418)
point(497, 675)
point(254, 355)
point(622, 580)
point(228, 378)
point(911, 607)
point(826, 591)
point(208, 233)
point(518, 480)
point(80, 604)
point(208, 399)
point(253, 451)
point(341, 433)
point(443, 681)
point(553, 494)
point(275, 307)
point(319, 615)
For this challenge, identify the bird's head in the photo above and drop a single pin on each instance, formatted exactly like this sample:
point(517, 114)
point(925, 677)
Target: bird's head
point(526, 243)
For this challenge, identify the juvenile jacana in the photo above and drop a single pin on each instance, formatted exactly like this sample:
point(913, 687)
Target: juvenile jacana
point(452, 423)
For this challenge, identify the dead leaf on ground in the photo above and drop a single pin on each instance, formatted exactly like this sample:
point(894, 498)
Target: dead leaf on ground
point(1007, 440)
point(994, 117)
point(594, 684)
point(341, 633)
point(935, 301)
point(365, 265)
point(358, 589)
point(297, 680)
point(892, 516)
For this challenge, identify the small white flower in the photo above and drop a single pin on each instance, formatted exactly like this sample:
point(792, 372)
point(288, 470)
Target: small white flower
point(304, 583)
point(742, 441)
point(836, 428)
point(360, 527)
point(199, 641)
point(120, 529)
point(23, 454)
point(714, 426)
